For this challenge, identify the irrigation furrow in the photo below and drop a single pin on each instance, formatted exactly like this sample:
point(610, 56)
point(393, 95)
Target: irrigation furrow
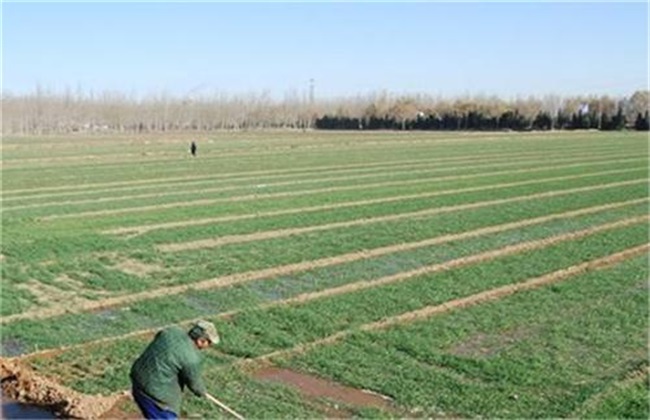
point(239, 278)
point(251, 197)
point(142, 229)
point(406, 318)
point(257, 173)
point(250, 152)
point(171, 155)
point(258, 236)
point(225, 176)
point(305, 170)
point(377, 252)
point(409, 170)
point(485, 296)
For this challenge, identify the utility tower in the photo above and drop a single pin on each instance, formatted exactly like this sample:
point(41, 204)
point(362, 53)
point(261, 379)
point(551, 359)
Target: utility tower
point(311, 92)
point(310, 108)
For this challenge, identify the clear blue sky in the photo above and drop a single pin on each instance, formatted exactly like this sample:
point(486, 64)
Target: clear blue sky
point(447, 49)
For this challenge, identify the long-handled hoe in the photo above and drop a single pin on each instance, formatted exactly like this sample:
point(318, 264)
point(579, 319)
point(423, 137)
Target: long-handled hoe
point(225, 407)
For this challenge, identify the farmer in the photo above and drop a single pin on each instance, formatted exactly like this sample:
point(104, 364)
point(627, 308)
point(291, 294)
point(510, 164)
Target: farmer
point(193, 148)
point(171, 362)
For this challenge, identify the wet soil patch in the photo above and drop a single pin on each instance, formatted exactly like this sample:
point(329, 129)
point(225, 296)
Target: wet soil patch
point(314, 387)
point(10, 347)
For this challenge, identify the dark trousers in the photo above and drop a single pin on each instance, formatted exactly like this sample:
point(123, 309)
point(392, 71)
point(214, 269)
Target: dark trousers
point(149, 407)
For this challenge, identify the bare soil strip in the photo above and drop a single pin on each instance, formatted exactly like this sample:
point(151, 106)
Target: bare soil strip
point(489, 295)
point(47, 295)
point(244, 176)
point(258, 236)
point(186, 190)
point(251, 174)
point(20, 383)
point(23, 384)
point(169, 155)
point(209, 179)
point(141, 229)
point(225, 176)
point(289, 172)
point(241, 176)
point(373, 283)
point(239, 278)
point(253, 197)
point(409, 170)
point(460, 262)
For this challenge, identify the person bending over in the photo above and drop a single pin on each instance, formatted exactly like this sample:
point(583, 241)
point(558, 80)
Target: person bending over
point(171, 362)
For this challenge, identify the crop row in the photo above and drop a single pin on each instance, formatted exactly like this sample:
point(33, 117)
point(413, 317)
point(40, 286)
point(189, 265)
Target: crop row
point(148, 309)
point(325, 167)
point(258, 332)
point(291, 189)
point(417, 201)
point(545, 351)
point(276, 183)
point(124, 146)
point(147, 169)
point(477, 211)
point(70, 257)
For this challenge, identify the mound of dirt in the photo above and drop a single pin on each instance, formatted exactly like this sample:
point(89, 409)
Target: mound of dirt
point(23, 384)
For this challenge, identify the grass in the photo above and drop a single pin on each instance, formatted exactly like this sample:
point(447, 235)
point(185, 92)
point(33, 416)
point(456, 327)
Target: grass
point(545, 351)
point(195, 304)
point(499, 359)
point(256, 332)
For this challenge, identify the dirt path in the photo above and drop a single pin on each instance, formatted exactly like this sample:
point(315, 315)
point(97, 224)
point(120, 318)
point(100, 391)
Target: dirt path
point(255, 197)
point(489, 295)
point(232, 239)
point(22, 384)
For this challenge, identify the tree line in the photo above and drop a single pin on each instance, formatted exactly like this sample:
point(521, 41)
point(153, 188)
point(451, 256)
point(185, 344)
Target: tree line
point(475, 120)
point(598, 113)
point(47, 112)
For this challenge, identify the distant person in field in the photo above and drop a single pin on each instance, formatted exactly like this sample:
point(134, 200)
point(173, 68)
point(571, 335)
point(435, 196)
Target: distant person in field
point(193, 148)
point(171, 362)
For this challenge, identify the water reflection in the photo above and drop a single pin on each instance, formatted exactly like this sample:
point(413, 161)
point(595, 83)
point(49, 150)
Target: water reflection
point(16, 410)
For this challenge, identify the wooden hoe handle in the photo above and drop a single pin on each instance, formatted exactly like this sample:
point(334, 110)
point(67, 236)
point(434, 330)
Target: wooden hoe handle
point(225, 407)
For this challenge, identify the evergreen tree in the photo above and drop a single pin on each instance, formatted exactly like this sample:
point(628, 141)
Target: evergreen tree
point(642, 123)
point(605, 122)
point(618, 122)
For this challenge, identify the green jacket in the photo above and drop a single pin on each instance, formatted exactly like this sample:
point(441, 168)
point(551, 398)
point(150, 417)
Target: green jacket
point(167, 365)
